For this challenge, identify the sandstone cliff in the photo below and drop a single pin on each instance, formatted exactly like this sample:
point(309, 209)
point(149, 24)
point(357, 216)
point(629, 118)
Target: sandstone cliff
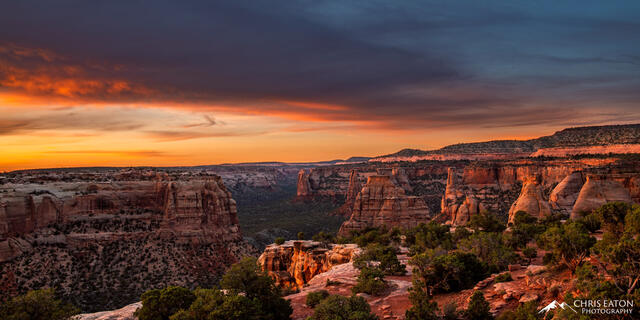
point(531, 200)
point(383, 203)
point(294, 263)
point(564, 195)
point(111, 237)
point(352, 192)
point(596, 191)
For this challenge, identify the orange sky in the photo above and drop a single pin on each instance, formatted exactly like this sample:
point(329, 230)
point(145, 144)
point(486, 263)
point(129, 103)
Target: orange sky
point(37, 134)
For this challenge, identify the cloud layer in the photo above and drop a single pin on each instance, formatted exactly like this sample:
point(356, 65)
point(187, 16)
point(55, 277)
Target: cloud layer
point(378, 64)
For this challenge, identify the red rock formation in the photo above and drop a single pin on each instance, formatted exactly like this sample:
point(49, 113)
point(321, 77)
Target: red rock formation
point(294, 263)
point(352, 192)
point(174, 230)
point(303, 188)
point(383, 203)
point(564, 195)
point(458, 205)
point(598, 190)
point(531, 200)
point(354, 187)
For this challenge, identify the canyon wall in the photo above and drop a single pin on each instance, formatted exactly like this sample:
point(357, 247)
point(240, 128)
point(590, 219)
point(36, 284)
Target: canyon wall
point(115, 236)
point(539, 187)
point(382, 202)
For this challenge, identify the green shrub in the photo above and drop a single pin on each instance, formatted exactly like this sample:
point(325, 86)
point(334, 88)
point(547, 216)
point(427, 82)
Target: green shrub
point(487, 222)
point(246, 278)
point(441, 271)
point(249, 294)
point(315, 297)
point(530, 253)
point(370, 281)
point(478, 308)
point(524, 229)
point(279, 240)
point(160, 304)
point(213, 304)
point(490, 249)
point(569, 243)
point(503, 277)
point(324, 237)
point(37, 305)
point(332, 283)
point(450, 311)
point(337, 307)
point(385, 256)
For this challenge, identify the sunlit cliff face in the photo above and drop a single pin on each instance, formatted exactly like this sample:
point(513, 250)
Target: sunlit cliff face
point(126, 84)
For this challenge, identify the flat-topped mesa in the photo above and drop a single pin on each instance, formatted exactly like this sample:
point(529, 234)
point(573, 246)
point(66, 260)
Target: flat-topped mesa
point(158, 231)
point(597, 190)
point(294, 263)
point(383, 203)
point(531, 200)
point(202, 206)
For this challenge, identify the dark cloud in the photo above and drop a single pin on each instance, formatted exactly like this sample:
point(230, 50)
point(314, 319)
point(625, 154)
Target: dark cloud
point(395, 64)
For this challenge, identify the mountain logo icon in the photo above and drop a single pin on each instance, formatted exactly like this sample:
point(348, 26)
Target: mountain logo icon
point(554, 305)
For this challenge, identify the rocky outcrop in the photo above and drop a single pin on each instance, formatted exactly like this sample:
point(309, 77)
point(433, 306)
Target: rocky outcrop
point(303, 189)
point(383, 203)
point(531, 200)
point(598, 190)
point(352, 192)
point(468, 194)
point(121, 236)
point(354, 187)
point(125, 313)
point(294, 263)
point(564, 195)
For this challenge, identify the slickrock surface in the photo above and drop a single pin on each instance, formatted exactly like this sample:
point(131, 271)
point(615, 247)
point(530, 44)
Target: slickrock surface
point(564, 195)
point(391, 305)
point(383, 203)
point(294, 263)
point(598, 190)
point(531, 200)
point(104, 238)
point(125, 313)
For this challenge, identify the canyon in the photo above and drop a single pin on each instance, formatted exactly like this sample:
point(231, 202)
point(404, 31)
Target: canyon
point(113, 233)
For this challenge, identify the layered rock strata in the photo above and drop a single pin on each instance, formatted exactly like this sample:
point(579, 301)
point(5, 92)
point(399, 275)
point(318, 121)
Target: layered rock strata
point(531, 200)
point(294, 263)
point(564, 195)
point(598, 190)
point(111, 238)
point(383, 203)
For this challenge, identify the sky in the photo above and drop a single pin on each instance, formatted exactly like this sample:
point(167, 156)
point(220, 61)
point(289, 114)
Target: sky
point(138, 83)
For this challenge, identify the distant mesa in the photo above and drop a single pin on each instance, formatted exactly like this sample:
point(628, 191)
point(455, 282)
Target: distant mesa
point(571, 141)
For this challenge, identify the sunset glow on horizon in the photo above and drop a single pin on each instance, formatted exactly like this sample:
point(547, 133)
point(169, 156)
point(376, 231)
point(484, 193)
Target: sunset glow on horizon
point(223, 82)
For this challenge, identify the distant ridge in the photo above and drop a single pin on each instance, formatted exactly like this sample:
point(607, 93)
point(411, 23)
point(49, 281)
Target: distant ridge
point(570, 137)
